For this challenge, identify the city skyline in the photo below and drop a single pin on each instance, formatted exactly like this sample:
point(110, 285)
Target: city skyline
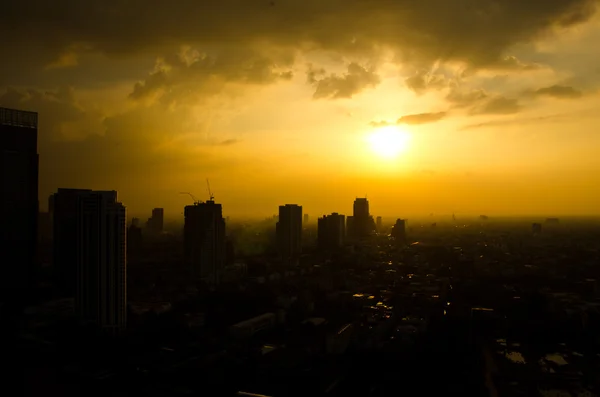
point(482, 109)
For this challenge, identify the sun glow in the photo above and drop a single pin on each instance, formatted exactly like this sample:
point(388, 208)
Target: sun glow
point(389, 141)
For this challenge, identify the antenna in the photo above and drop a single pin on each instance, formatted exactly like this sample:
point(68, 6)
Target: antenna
point(196, 201)
point(210, 195)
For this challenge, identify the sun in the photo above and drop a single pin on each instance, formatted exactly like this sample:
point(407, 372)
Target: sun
point(389, 141)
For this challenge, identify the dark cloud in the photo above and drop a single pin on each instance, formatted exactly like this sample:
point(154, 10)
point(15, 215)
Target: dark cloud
point(412, 119)
point(477, 32)
point(342, 86)
point(191, 73)
point(559, 91)
point(423, 81)
point(498, 105)
point(228, 142)
point(421, 118)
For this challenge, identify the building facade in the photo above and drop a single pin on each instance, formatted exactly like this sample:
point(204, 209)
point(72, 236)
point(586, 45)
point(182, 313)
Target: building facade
point(204, 240)
point(331, 231)
point(289, 233)
point(101, 293)
point(18, 200)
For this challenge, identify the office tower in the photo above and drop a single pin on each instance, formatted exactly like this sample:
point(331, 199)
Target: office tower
point(331, 231)
point(156, 221)
point(536, 229)
point(101, 296)
point(134, 240)
point(64, 207)
point(204, 240)
point(363, 222)
point(350, 232)
point(379, 224)
point(399, 231)
point(289, 233)
point(305, 219)
point(18, 201)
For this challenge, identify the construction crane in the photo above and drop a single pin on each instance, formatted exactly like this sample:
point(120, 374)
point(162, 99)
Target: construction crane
point(196, 201)
point(210, 195)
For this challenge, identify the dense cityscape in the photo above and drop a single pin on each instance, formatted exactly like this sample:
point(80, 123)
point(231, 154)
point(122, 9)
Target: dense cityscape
point(97, 303)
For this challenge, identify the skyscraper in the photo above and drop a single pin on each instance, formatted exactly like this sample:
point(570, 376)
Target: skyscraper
point(289, 233)
point(204, 240)
point(101, 297)
point(156, 221)
point(18, 200)
point(379, 224)
point(362, 219)
point(64, 207)
point(399, 231)
point(331, 231)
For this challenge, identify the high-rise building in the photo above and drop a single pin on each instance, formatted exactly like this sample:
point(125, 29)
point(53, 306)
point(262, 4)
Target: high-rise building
point(289, 233)
point(156, 221)
point(305, 219)
point(379, 224)
point(331, 231)
point(101, 296)
point(204, 240)
point(350, 232)
point(399, 231)
point(536, 229)
point(18, 201)
point(64, 207)
point(363, 222)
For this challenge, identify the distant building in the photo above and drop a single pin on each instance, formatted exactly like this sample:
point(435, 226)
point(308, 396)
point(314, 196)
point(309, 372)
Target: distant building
point(399, 231)
point(305, 219)
point(134, 240)
point(379, 224)
point(363, 222)
point(101, 297)
point(64, 207)
point(553, 221)
point(18, 200)
point(289, 233)
point(536, 229)
point(350, 232)
point(204, 240)
point(331, 231)
point(155, 223)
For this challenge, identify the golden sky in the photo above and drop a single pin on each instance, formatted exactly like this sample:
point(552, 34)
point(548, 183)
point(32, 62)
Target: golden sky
point(468, 106)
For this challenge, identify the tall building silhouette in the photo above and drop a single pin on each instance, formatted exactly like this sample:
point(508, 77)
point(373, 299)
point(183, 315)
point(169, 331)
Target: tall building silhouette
point(156, 221)
point(204, 240)
point(18, 200)
point(399, 231)
point(101, 297)
point(64, 207)
point(362, 220)
point(289, 233)
point(379, 224)
point(331, 231)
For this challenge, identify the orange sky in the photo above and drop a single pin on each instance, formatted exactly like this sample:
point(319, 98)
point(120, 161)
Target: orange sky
point(495, 103)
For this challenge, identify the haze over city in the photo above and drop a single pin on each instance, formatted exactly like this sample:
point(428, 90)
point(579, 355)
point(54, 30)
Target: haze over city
point(474, 107)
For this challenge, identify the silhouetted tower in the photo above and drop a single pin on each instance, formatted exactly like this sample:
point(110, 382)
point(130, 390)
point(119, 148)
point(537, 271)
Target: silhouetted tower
point(363, 222)
point(101, 297)
point(289, 233)
point(379, 224)
point(64, 228)
point(331, 231)
point(204, 240)
point(18, 201)
point(156, 221)
point(305, 219)
point(399, 231)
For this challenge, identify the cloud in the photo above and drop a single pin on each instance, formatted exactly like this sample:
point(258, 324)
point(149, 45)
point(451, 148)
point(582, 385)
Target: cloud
point(466, 98)
point(190, 73)
point(229, 142)
point(559, 91)
point(421, 118)
point(498, 105)
point(412, 119)
point(346, 85)
point(423, 81)
point(504, 123)
point(477, 33)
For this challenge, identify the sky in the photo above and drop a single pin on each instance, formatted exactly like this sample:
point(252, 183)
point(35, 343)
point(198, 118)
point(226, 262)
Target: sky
point(430, 106)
